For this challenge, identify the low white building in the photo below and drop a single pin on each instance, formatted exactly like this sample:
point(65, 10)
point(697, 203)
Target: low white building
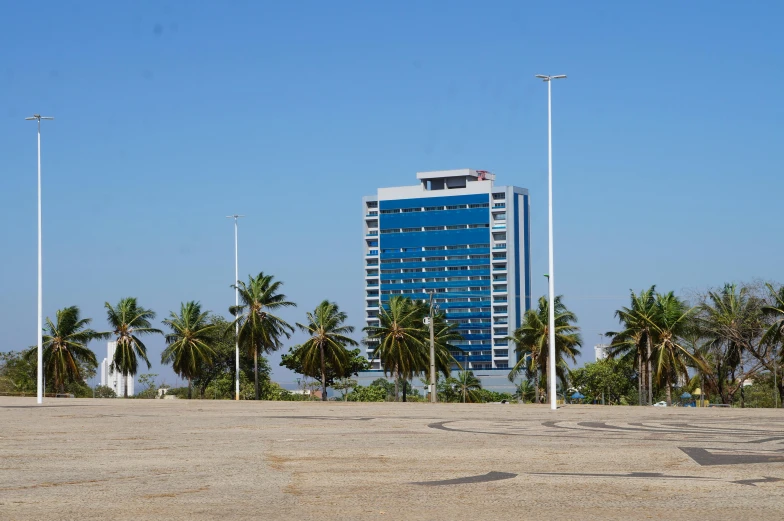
point(113, 379)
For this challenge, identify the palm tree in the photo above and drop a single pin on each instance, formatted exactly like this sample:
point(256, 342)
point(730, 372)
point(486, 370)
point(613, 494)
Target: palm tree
point(129, 321)
point(260, 330)
point(188, 344)
point(531, 341)
point(732, 321)
point(399, 336)
point(444, 333)
point(327, 342)
point(65, 347)
point(670, 322)
point(774, 334)
point(467, 386)
point(525, 391)
point(635, 339)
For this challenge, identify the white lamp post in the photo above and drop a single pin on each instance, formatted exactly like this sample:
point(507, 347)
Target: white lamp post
point(236, 303)
point(38, 118)
point(551, 278)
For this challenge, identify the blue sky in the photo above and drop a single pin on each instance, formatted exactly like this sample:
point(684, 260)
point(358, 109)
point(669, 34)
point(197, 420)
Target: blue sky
point(171, 115)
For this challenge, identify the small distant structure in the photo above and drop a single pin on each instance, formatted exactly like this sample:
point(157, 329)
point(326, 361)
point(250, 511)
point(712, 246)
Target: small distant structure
point(600, 350)
point(306, 392)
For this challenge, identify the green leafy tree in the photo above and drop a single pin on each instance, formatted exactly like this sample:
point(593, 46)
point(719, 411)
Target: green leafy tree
point(531, 341)
point(188, 346)
point(18, 375)
point(344, 385)
point(356, 363)
point(215, 380)
point(326, 344)
point(367, 394)
point(613, 378)
point(147, 383)
point(129, 322)
point(65, 350)
point(104, 391)
point(635, 341)
point(260, 331)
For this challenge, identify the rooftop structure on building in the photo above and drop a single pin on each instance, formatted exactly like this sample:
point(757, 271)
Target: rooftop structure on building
point(460, 236)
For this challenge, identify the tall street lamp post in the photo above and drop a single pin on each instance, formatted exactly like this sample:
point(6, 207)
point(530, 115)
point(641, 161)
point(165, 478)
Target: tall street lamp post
point(38, 118)
point(551, 278)
point(236, 304)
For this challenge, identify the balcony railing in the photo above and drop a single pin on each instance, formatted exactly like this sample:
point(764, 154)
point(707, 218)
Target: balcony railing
point(371, 214)
point(372, 252)
point(501, 246)
point(372, 233)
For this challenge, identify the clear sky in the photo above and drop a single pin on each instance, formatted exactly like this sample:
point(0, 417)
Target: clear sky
point(170, 115)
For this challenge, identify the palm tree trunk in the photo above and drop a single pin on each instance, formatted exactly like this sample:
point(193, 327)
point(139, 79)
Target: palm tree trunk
point(323, 376)
point(256, 371)
point(125, 391)
point(396, 384)
point(190, 388)
point(669, 391)
point(536, 384)
point(640, 377)
point(650, 373)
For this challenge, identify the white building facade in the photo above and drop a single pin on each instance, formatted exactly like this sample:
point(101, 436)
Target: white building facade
point(113, 379)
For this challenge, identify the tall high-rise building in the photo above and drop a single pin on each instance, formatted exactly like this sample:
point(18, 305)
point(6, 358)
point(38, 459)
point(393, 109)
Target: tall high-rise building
point(460, 236)
point(113, 379)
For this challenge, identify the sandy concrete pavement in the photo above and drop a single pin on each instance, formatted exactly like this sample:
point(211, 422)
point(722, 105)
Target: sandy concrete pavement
point(192, 460)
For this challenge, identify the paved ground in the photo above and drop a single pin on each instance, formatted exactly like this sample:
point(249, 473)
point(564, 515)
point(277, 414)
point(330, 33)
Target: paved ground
point(151, 459)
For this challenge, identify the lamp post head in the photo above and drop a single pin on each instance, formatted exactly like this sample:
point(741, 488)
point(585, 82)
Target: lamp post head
point(545, 77)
